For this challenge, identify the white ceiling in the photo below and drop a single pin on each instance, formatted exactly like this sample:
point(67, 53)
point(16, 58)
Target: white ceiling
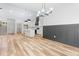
point(17, 10)
point(33, 6)
point(30, 6)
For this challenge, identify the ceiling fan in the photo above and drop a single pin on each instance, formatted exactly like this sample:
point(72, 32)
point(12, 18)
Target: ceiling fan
point(43, 12)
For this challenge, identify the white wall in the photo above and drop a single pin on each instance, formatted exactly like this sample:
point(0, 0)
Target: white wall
point(63, 14)
point(10, 25)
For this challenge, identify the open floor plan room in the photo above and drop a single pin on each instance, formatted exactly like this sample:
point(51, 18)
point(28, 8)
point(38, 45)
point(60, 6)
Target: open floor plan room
point(39, 29)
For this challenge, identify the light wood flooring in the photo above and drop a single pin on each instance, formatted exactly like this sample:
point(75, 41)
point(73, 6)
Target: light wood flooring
point(19, 45)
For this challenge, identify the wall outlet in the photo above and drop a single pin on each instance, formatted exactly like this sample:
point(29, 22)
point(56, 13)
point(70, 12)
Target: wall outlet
point(54, 36)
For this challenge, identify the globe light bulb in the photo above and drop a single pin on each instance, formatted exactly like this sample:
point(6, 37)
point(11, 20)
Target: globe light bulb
point(38, 13)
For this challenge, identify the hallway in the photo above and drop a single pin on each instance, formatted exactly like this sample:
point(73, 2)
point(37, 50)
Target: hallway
point(20, 45)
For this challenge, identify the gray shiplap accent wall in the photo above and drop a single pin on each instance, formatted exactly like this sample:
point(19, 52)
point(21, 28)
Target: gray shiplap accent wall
point(68, 34)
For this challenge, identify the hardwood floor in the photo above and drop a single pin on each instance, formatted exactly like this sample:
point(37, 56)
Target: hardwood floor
point(19, 45)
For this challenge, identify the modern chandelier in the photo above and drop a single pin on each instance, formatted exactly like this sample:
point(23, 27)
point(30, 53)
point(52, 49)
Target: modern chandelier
point(43, 12)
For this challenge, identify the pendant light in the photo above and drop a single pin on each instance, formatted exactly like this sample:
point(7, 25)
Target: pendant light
point(43, 12)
